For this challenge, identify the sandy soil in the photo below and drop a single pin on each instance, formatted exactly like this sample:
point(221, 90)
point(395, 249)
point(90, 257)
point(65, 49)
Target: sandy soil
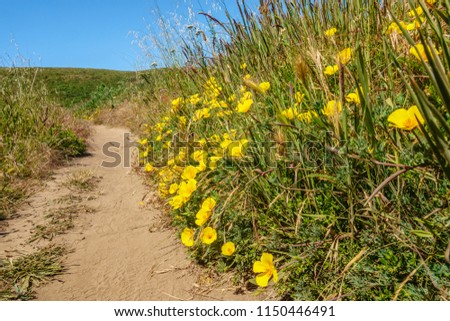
point(121, 251)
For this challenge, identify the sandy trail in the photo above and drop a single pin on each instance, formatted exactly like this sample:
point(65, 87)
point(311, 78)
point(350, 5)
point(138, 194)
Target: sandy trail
point(117, 255)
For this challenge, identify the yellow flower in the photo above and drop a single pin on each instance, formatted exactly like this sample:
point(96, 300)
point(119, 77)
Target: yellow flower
point(185, 189)
point(236, 149)
point(306, 116)
point(244, 105)
point(173, 188)
point(182, 120)
point(176, 202)
point(264, 87)
point(419, 52)
point(162, 190)
point(187, 237)
point(266, 270)
point(199, 155)
point(332, 108)
point(243, 66)
point(331, 70)
point(208, 235)
point(194, 99)
point(345, 55)
point(228, 249)
point(299, 97)
point(430, 2)
point(209, 204)
point(406, 119)
point(201, 166)
point(189, 172)
point(176, 103)
point(201, 113)
point(289, 113)
point(225, 143)
point(213, 161)
point(202, 216)
point(149, 167)
point(330, 32)
point(143, 141)
point(353, 98)
point(418, 12)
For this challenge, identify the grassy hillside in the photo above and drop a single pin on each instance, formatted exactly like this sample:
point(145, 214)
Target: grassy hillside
point(73, 87)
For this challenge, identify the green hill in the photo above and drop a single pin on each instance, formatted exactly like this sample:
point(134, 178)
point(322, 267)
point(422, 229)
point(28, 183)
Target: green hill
point(74, 87)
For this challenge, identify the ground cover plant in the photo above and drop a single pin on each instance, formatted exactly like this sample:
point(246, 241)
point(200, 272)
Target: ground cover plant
point(308, 148)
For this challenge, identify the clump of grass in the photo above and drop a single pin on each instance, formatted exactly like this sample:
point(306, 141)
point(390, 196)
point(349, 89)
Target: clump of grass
point(82, 181)
point(59, 220)
point(292, 128)
point(19, 277)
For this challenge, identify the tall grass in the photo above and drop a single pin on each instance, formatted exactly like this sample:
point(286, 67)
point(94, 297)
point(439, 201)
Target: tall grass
point(34, 133)
point(351, 206)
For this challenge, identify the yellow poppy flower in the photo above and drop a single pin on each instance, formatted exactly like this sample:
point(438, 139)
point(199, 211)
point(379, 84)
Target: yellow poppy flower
point(228, 249)
point(189, 172)
point(244, 105)
point(263, 87)
point(187, 237)
point(208, 235)
point(299, 97)
point(353, 98)
point(185, 189)
point(406, 119)
point(331, 70)
point(143, 141)
point(306, 116)
point(209, 204)
point(345, 55)
point(202, 216)
point(419, 52)
point(332, 108)
point(149, 167)
point(330, 32)
point(199, 155)
point(213, 161)
point(243, 66)
point(201, 166)
point(236, 149)
point(266, 270)
point(176, 202)
point(173, 188)
point(416, 12)
point(289, 113)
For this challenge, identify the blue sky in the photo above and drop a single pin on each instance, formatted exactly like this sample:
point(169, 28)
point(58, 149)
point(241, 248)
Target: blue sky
point(84, 33)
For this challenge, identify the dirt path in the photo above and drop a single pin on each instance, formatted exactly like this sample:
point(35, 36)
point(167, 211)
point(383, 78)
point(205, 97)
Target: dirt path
point(120, 251)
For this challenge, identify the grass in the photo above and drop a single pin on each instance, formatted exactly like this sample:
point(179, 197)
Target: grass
point(74, 87)
point(59, 220)
point(19, 277)
point(314, 169)
point(82, 181)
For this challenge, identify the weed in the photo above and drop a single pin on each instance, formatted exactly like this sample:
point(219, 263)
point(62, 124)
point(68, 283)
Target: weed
point(19, 277)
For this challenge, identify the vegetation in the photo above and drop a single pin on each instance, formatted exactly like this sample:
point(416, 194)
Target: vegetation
point(75, 87)
point(28, 271)
point(34, 133)
point(309, 148)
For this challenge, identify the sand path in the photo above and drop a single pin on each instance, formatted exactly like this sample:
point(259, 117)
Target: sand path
point(120, 251)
